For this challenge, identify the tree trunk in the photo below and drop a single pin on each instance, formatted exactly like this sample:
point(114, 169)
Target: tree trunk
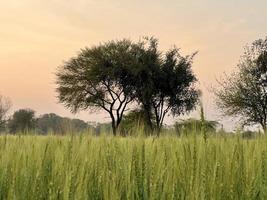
point(113, 124)
point(114, 129)
point(264, 127)
point(158, 130)
point(148, 118)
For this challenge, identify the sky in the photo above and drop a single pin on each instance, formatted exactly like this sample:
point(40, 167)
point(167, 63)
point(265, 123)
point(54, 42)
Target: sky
point(37, 36)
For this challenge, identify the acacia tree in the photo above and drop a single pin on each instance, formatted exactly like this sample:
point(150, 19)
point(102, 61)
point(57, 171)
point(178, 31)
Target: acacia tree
point(143, 76)
point(175, 87)
point(164, 82)
point(97, 79)
point(244, 92)
point(5, 105)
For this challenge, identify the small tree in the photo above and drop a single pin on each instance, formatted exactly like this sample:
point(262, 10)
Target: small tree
point(49, 122)
point(244, 93)
point(5, 105)
point(192, 125)
point(136, 119)
point(22, 120)
point(97, 79)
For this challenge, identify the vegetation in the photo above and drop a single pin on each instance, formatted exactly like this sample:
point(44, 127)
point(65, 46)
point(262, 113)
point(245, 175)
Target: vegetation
point(136, 119)
point(201, 125)
point(244, 93)
point(5, 105)
point(60, 125)
point(97, 79)
point(85, 167)
point(195, 125)
point(22, 120)
point(25, 120)
point(163, 83)
point(202, 163)
point(115, 74)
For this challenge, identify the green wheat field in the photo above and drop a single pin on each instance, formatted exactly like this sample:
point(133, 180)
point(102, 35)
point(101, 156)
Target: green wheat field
point(89, 167)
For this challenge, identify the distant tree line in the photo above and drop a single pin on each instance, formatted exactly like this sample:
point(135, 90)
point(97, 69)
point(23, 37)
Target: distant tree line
point(25, 121)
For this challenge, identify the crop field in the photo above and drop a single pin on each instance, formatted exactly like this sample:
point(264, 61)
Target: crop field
point(89, 167)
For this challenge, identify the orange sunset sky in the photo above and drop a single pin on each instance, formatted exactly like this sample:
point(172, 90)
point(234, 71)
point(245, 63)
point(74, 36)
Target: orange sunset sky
point(36, 36)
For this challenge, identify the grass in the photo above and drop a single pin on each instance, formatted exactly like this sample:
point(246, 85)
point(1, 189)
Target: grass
point(87, 167)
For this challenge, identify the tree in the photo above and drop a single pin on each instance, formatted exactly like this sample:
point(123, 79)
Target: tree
point(97, 79)
point(192, 125)
point(115, 74)
point(5, 105)
point(244, 92)
point(22, 120)
point(60, 125)
point(49, 122)
point(164, 83)
point(78, 125)
point(135, 119)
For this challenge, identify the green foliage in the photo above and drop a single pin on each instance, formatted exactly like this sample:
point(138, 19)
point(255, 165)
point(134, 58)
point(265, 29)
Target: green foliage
point(22, 120)
point(97, 79)
point(249, 134)
point(136, 119)
point(112, 75)
point(192, 125)
point(244, 93)
point(103, 128)
point(83, 167)
point(5, 105)
point(163, 82)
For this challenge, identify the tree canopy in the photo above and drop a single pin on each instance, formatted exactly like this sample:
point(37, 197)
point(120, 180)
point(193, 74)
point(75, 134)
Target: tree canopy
point(164, 82)
point(113, 75)
point(96, 79)
point(244, 92)
point(22, 120)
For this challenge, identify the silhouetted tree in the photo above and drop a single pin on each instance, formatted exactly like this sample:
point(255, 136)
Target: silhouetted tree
point(244, 93)
point(112, 75)
point(22, 120)
point(163, 82)
point(97, 79)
